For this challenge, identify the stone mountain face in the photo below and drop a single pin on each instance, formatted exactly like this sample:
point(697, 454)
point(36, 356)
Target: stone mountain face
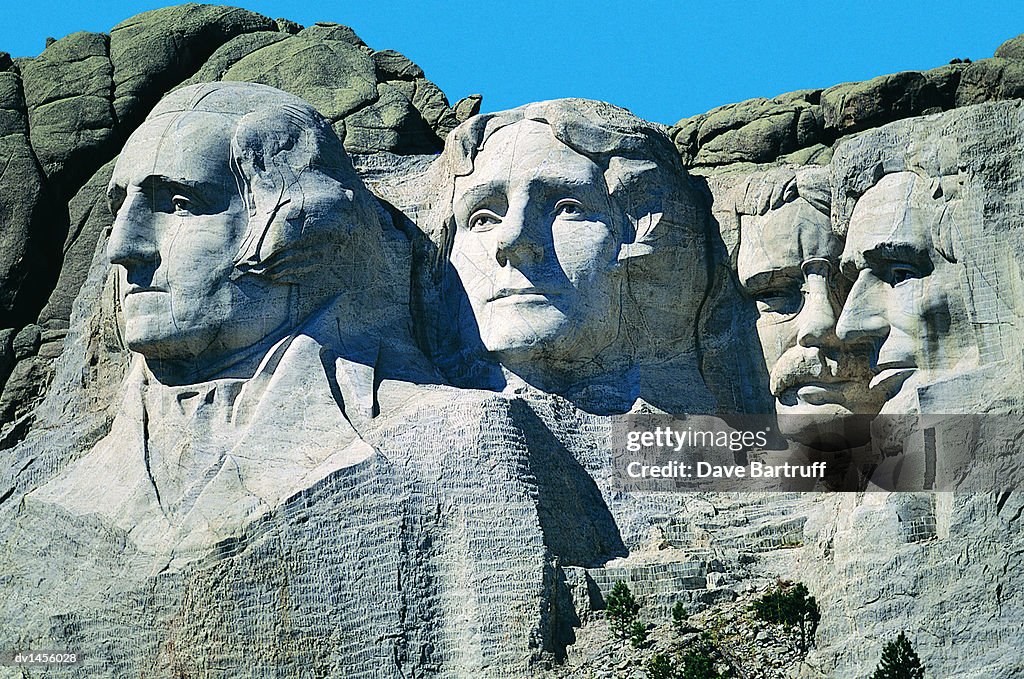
point(388, 476)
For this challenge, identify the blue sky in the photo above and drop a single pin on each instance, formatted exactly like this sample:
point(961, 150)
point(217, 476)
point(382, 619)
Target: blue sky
point(662, 59)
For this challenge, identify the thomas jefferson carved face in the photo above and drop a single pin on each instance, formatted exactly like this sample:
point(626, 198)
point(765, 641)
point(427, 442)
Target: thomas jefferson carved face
point(536, 247)
point(906, 297)
point(788, 262)
point(180, 219)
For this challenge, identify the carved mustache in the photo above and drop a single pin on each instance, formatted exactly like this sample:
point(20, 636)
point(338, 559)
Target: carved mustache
point(802, 365)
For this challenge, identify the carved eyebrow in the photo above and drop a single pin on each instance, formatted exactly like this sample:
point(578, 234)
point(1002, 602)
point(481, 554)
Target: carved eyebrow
point(477, 193)
point(155, 180)
point(551, 188)
point(117, 191)
point(884, 254)
point(764, 279)
point(539, 187)
point(899, 252)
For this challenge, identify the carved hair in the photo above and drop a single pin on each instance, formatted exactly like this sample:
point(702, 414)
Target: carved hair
point(769, 190)
point(306, 204)
point(944, 232)
point(859, 165)
point(645, 178)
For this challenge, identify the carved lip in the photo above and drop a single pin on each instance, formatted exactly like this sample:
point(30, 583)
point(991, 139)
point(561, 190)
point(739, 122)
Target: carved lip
point(135, 289)
point(891, 375)
point(826, 380)
point(822, 391)
point(529, 291)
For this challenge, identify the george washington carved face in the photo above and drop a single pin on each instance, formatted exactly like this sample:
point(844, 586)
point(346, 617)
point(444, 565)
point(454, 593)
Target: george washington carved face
point(180, 221)
point(237, 214)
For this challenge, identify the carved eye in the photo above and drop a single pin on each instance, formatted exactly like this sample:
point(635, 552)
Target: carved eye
point(483, 220)
point(899, 273)
point(783, 301)
point(181, 204)
point(569, 207)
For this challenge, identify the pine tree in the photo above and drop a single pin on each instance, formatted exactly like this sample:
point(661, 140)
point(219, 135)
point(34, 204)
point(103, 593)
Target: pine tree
point(899, 661)
point(621, 608)
point(638, 634)
point(679, 616)
point(698, 665)
point(790, 605)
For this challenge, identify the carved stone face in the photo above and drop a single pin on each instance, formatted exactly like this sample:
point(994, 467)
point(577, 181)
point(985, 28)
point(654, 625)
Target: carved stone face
point(535, 247)
point(179, 223)
point(906, 296)
point(788, 262)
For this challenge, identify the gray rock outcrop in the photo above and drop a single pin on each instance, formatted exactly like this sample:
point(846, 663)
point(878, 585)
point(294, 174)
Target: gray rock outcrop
point(67, 112)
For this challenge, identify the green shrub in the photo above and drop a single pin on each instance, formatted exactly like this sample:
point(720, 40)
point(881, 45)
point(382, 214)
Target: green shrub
point(899, 661)
point(698, 665)
point(638, 634)
point(695, 664)
point(621, 608)
point(660, 666)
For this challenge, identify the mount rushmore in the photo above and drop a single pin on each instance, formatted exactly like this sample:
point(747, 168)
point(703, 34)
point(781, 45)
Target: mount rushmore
point(330, 377)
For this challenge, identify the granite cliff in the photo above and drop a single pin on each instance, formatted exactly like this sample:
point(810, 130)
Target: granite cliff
point(388, 554)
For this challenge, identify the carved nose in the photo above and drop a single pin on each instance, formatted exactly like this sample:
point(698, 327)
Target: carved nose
point(516, 243)
point(131, 241)
point(816, 324)
point(863, 315)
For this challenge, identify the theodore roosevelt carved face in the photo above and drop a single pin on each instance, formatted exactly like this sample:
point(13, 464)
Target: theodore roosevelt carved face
point(788, 263)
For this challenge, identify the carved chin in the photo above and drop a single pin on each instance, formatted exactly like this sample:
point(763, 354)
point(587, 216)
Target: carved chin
point(148, 329)
point(829, 426)
point(158, 337)
point(529, 327)
point(155, 341)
